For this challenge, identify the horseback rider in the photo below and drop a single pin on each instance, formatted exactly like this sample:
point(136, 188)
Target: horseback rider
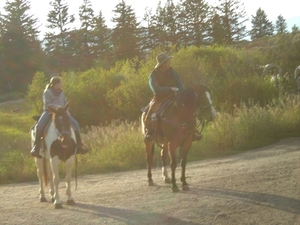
point(53, 97)
point(163, 81)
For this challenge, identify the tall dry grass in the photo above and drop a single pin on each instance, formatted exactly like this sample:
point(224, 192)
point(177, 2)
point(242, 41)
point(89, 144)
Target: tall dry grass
point(119, 146)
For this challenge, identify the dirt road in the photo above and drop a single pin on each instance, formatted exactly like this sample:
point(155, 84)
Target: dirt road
point(257, 187)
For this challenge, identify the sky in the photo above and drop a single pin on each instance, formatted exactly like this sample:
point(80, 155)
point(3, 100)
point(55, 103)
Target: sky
point(287, 8)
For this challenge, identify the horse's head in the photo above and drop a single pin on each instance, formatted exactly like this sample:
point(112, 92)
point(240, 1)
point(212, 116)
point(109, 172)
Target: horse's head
point(203, 100)
point(62, 125)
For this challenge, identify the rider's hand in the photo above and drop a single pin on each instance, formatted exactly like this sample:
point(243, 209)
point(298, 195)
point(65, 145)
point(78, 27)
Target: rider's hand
point(174, 89)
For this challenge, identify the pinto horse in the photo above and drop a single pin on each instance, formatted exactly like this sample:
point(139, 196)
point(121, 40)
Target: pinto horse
point(176, 127)
point(59, 145)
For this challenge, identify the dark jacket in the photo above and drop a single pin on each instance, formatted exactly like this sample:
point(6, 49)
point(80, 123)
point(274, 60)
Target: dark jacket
point(161, 83)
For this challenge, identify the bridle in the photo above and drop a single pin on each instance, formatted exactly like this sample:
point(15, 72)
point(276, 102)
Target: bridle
point(63, 132)
point(200, 112)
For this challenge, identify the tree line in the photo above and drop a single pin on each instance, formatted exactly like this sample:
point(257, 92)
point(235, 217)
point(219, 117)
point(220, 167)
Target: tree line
point(94, 44)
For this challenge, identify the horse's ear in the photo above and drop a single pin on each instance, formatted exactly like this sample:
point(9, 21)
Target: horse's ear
point(66, 107)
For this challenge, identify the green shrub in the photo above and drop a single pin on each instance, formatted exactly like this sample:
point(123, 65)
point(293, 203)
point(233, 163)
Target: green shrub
point(35, 92)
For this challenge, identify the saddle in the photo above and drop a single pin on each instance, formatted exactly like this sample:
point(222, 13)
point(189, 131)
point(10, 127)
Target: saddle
point(36, 119)
point(153, 115)
point(157, 114)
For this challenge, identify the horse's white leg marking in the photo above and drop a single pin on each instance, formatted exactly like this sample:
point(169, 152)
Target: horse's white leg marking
point(212, 108)
point(54, 162)
point(165, 175)
point(69, 164)
point(51, 191)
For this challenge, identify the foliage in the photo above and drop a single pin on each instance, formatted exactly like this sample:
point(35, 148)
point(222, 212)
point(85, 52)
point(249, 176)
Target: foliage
point(93, 44)
point(20, 52)
point(120, 92)
point(281, 26)
point(119, 146)
point(194, 22)
point(16, 165)
point(59, 53)
point(251, 126)
point(261, 26)
point(87, 92)
point(232, 17)
point(125, 31)
point(35, 93)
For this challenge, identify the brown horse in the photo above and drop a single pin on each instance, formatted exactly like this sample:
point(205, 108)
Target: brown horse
point(176, 128)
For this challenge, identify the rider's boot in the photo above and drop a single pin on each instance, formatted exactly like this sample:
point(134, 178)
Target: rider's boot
point(197, 136)
point(81, 149)
point(35, 151)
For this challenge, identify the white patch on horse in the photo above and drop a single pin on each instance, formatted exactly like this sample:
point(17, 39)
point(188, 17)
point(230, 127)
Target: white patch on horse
point(212, 108)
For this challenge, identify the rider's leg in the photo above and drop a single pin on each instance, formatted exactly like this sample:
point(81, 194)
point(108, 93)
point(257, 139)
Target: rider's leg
point(151, 120)
point(41, 124)
point(81, 149)
point(197, 136)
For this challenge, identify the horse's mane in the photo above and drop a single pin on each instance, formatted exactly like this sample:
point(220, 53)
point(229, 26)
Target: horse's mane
point(186, 96)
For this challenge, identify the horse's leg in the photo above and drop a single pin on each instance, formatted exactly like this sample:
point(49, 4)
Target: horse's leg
point(184, 153)
point(69, 164)
point(149, 155)
point(54, 167)
point(164, 154)
point(50, 176)
point(40, 174)
point(172, 152)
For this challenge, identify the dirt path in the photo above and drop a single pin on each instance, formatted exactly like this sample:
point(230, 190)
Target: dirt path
point(256, 187)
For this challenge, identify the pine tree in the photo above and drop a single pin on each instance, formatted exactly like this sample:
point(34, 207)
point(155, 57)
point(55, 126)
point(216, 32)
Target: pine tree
point(58, 52)
point(102, 41)
point(195, 17)
point(148, 36)
point(295, 29)
point(233, 17)
point(19, 45)
point(216, 30)
point(166, 22)
point(126, 34)
point(281, 26)
point(261, 26)
point(85, 38)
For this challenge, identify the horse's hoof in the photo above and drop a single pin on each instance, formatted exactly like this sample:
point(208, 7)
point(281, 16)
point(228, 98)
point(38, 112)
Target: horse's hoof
point(175, 189)
point(52, 199)
point(70, 202)
point(58, 206)
point(150, 183)
point(43, 199)
point(167, 180)
point(185, 188)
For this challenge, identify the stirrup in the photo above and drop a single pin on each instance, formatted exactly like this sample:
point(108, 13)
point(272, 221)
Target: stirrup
point(35, 153)
point(149, 135)
point(81, 149)
point(197, 136)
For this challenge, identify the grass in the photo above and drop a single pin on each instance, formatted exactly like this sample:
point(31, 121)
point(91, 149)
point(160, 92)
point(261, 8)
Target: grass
point(119, 146)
